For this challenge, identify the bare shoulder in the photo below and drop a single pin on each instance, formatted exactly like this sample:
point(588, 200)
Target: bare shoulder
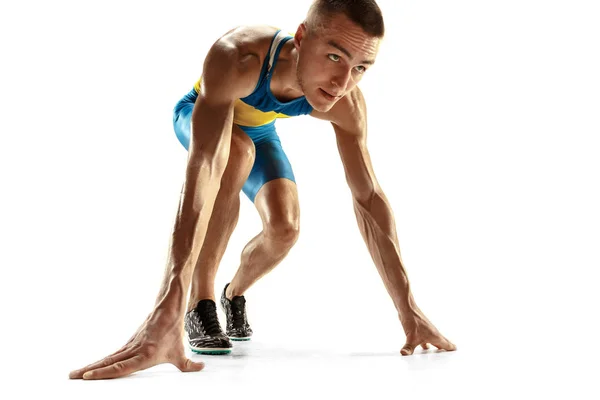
point(250, 40)
point(232, 65)
point(348, 115)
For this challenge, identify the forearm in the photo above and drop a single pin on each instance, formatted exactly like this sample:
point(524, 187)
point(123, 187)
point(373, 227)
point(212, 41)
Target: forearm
point(377, 226)
point(209, 152)
point(193, 214)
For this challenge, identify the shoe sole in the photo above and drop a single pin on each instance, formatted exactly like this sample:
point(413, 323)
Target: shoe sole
point(207, 350)
point(216, 352)
point(239, 339)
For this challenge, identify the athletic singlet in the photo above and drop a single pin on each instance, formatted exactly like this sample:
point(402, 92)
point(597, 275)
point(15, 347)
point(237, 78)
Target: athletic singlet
point(261, 107)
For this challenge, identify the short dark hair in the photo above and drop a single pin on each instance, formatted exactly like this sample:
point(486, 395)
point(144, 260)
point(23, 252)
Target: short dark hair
point(365, 13)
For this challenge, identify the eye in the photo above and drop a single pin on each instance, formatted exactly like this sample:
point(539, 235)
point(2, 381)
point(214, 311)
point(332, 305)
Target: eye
point(361, 69)
point(334, 57)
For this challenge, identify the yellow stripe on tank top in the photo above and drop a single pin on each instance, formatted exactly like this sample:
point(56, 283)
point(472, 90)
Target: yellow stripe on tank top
point(246, 115)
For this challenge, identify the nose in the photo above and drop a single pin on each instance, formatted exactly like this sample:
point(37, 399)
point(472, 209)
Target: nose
point(340, 80)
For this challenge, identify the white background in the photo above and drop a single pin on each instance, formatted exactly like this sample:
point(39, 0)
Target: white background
point(483, 128)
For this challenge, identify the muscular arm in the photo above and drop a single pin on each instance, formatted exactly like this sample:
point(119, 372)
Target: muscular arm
point(227, 76)
point(376, 221)
point(373, 212)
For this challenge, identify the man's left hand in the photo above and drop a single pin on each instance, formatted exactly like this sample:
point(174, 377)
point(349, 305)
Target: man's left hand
point(420, 331)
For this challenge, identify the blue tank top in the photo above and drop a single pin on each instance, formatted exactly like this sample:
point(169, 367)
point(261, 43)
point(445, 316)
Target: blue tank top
point(261, 107)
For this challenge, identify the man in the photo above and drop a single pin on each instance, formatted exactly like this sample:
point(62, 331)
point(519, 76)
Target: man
point(251, 76)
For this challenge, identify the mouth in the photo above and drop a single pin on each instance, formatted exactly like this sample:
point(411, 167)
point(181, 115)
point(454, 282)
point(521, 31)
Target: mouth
point(327, 95)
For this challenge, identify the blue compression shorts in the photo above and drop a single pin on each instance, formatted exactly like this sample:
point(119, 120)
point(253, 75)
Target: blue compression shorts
point(270, 162)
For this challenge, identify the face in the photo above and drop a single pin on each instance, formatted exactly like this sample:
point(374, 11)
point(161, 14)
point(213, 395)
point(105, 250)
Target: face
point(332, 60)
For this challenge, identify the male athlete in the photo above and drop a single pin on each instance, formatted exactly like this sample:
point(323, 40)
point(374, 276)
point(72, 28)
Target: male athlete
point(252, 76)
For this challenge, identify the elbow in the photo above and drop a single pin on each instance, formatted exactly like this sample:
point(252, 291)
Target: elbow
point(367, 196)
point(202, 183)
point(208, 164)
point(364, 187)
point(208, 158)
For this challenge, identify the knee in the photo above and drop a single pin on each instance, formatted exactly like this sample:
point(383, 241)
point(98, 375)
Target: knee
point(284, 230)
point(242, 150)
point(239, 165)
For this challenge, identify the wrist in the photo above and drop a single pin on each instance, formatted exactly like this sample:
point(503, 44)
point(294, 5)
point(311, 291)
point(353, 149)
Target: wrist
point(170, 303)
point(168, 310)
point(408, 309)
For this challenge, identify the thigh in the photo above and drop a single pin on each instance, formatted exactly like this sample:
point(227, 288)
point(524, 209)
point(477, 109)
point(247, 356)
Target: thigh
point(182, 117)
point(241, 160)
point(270, 163)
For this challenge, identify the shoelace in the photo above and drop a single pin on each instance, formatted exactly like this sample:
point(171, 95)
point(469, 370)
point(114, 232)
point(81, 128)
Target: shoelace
point(210, 321)
point(237, 309)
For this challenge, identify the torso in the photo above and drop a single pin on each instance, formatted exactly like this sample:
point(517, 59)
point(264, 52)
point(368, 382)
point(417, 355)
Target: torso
point(270, 100)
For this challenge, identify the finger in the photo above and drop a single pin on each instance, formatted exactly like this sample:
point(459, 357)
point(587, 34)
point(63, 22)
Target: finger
point(113, 358)
point(408, 349)
point(118, 369)
point(187, 365)
point(425, 346)
point(444, 344)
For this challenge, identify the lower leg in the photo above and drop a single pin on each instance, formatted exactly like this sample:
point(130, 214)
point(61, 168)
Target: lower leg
point(222, 223)
point(259, 257)
point(224, 217)
point(277, 204)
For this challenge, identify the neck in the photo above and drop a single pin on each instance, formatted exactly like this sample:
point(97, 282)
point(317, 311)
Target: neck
point(284, 82)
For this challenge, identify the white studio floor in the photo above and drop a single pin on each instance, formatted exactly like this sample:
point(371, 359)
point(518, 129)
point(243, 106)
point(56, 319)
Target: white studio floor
point(271, 369)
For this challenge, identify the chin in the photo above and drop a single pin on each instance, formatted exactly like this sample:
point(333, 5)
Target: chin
point(321, 108)
point(319, 104)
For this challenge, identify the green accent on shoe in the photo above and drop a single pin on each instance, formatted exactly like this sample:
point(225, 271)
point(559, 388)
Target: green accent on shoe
point(235, 339)
point(212, 352)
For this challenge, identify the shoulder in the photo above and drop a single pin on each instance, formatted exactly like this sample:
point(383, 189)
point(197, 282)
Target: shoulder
point(234, 61)
point(348, 115)
point(249, 40)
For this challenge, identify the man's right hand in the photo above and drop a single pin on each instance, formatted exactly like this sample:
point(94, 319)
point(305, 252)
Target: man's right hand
point(157, 341)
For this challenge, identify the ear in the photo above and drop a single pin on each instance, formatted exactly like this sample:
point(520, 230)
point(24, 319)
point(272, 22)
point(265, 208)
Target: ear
point(300, 33)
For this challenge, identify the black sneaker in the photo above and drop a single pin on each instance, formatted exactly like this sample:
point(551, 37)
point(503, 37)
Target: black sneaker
point(203, 331)
point(237, 322)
